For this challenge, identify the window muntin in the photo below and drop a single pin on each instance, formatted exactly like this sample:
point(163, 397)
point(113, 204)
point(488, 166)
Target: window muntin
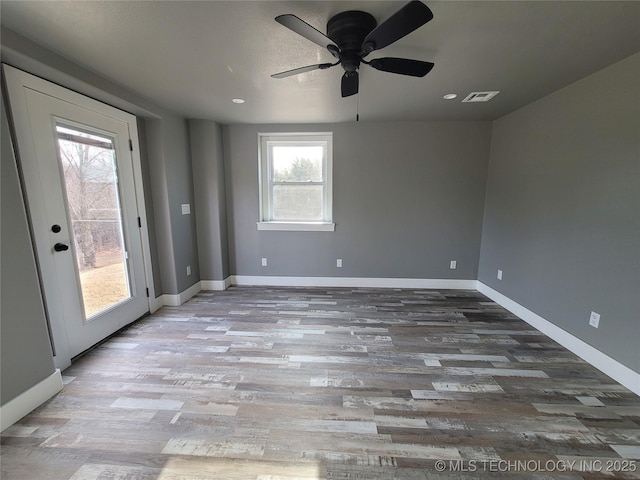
point(295, 171)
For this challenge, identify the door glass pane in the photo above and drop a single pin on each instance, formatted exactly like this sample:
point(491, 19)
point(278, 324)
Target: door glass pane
point(91, 183)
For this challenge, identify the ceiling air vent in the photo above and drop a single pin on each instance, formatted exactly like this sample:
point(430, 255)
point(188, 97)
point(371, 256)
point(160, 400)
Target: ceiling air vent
point(479, 97)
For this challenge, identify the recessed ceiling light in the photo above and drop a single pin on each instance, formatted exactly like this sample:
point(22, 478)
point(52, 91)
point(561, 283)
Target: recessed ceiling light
point(238, 100)
point(450, 96)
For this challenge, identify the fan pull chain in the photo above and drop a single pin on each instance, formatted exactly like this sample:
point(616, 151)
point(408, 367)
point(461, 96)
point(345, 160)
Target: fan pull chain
point(357, 107)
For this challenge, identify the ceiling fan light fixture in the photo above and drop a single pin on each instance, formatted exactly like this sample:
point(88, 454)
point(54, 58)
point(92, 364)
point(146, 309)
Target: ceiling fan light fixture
point(450, 96)
point(238, 100)
point(352, 35)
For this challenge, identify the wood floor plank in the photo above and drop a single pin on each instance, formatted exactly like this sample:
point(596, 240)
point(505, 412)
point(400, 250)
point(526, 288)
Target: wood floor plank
point(303, 383)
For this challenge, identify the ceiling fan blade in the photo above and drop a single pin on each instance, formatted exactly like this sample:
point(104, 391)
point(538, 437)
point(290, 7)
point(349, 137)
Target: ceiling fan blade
point(349, 84)
point(307, 31)
point(410, 17)
point(309, 68)
point(403, 66)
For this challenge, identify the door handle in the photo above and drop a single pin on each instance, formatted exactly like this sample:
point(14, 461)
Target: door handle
point(60, 247)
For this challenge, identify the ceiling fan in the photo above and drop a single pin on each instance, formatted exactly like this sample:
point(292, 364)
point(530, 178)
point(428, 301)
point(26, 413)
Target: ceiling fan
point(353, 35)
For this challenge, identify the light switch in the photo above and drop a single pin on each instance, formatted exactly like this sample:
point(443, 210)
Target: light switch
point(186, 209)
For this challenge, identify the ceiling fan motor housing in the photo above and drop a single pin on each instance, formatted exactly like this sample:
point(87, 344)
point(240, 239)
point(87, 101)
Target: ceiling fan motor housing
point(348, 30)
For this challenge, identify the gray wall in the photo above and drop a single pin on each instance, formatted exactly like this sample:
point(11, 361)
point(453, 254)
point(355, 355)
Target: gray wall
point(562, 217)
point(175, 136)
point(210, 199)
point(167, 143)
point(164, 264)
point(407, 199)
point(25, 349)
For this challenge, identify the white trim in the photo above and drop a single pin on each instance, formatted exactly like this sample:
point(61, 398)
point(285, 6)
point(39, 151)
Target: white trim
point(266, 180)
point(218, 285)
point(619, 372)
point(142, 212)
point(298, 226)
point(156, 303)
point(298, 135)
point(173, 300)
point(354, 282)
point(29, 400)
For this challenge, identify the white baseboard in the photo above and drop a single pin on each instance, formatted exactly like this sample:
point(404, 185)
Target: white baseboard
point(173, 300)
point(354, 282)
point(619, 372)
point(15, 409)
point(218, 285)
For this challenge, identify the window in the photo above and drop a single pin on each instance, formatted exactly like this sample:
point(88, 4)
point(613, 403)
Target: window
point(295, 181)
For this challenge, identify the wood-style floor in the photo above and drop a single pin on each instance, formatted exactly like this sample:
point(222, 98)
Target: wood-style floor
point(316, 383)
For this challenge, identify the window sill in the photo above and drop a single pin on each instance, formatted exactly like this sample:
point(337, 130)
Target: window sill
point(298, 226)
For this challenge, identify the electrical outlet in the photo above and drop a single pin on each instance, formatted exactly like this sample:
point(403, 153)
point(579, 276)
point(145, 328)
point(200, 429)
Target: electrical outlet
point(264, 262)
point(188, 270)
point(453, 265)
point(594, 319)
point(339, 263)
point(499, 274)
point(186, 208)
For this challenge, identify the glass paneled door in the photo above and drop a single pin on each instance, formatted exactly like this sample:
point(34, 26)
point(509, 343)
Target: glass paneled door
point(83, 187)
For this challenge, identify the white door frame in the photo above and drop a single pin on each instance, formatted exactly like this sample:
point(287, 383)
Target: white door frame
point(16, 81)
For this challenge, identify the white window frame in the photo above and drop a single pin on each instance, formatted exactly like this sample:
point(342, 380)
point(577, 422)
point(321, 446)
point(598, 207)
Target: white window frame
point(265, 143)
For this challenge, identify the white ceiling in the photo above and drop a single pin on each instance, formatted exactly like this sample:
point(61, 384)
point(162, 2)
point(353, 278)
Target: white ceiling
point(194, 57)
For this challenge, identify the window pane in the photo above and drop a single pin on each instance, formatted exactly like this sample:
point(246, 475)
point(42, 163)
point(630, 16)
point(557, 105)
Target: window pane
point(91, 184)
point(297, 202)
point(297, 163)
